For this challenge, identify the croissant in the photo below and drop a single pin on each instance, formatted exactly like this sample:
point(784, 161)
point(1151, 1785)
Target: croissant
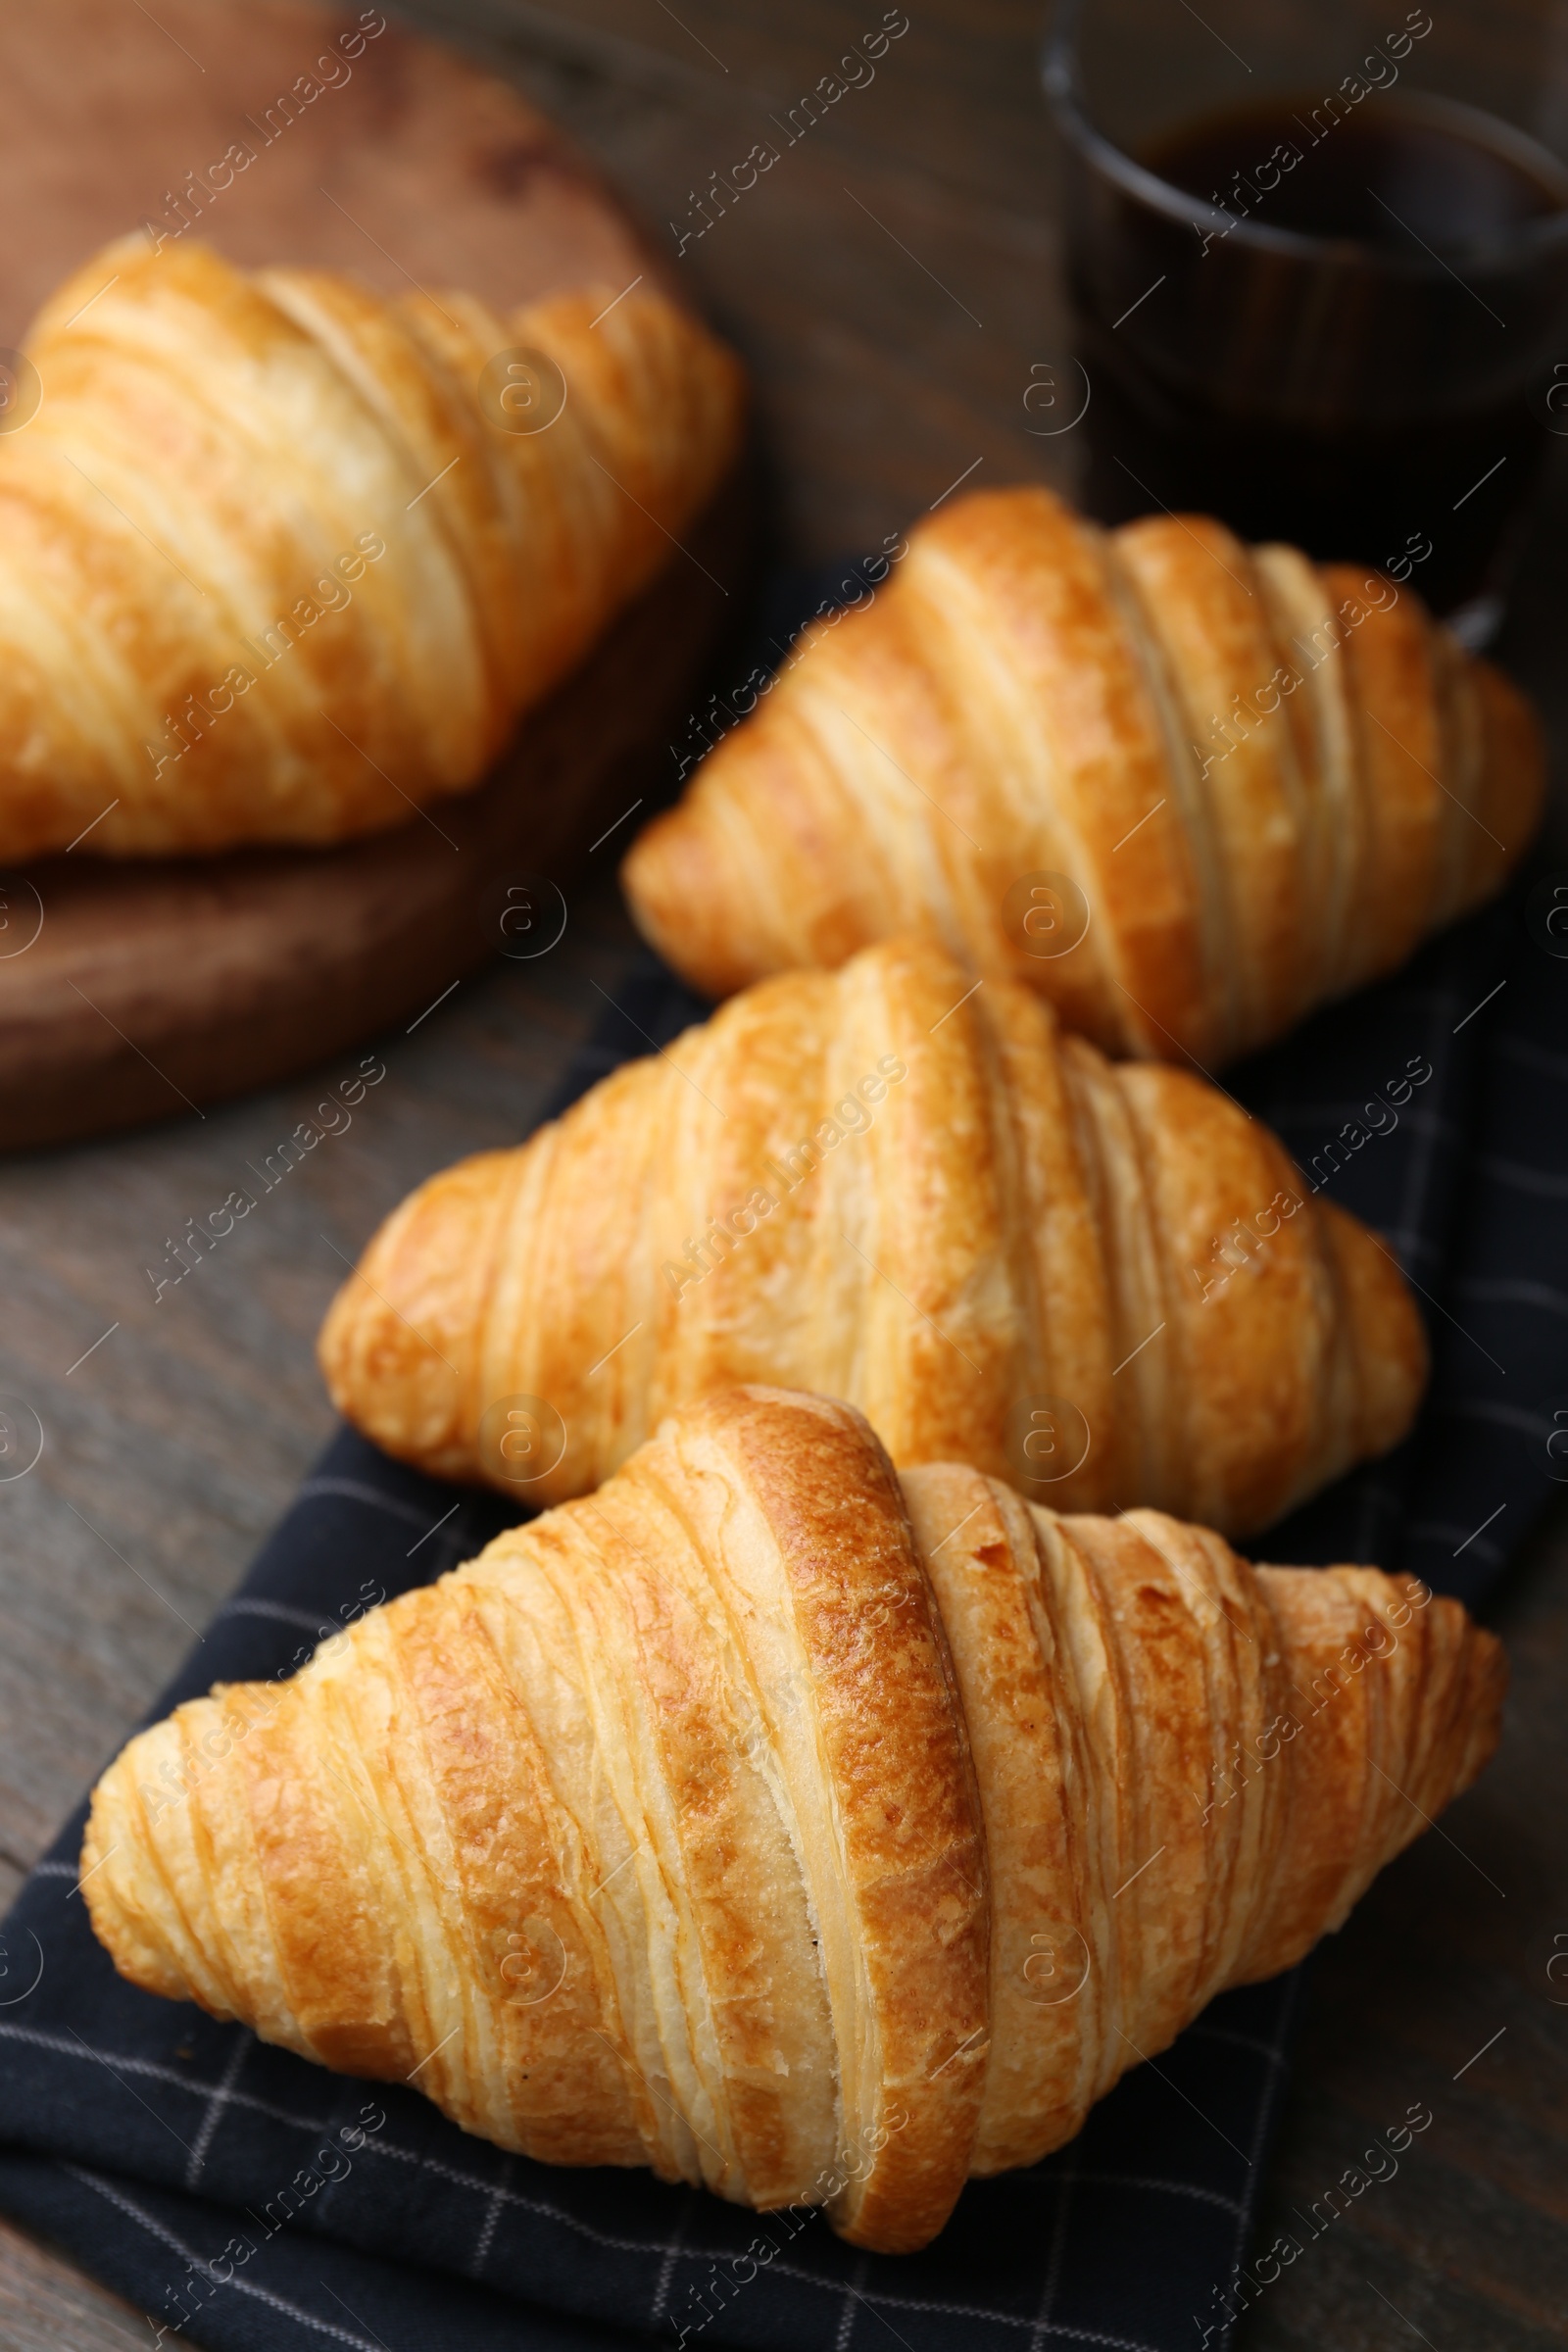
point(1185, 788)
point(276, 562)
point(896, 1186)
point(798, 1833)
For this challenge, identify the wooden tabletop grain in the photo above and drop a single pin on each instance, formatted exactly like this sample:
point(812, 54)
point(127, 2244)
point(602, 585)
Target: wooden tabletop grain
point(892, 282)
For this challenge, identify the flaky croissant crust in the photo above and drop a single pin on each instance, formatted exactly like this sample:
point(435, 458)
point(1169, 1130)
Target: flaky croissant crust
point(1263, 780)
point(890, 1185)
point(273, 564)
point(795, 1833)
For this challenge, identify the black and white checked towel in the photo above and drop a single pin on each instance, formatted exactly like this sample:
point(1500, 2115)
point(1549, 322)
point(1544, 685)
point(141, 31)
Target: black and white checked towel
point(266, 2206)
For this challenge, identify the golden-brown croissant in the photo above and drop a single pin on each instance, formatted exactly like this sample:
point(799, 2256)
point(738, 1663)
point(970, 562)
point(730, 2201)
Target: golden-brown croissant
point(758, 1821)
point(276, 561)
point(892, 1185)
point(1185, 788)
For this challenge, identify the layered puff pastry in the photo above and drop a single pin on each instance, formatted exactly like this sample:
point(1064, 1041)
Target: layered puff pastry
point(1185, 788)
point(816, 1836)
point(896, 1186)
point(282, 560)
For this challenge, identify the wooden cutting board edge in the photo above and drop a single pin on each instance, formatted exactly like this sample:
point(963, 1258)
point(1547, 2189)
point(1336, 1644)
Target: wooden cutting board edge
point(303, 955)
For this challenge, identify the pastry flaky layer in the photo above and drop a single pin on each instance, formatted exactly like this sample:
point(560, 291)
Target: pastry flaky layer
point(1102, 1280)
point(275, 563)
point(1262, 780)
point(795, 1830)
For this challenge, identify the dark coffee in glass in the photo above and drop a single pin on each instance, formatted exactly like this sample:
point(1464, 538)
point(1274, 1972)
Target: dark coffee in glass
point(1316, 298)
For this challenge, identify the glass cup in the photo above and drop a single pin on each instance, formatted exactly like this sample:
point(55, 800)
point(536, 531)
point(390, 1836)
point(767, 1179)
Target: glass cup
point(1319, 256)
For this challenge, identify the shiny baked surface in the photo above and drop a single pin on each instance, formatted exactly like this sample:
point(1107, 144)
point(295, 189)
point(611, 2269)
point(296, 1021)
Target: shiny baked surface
point(776, 1825)
point(889, 1186)
point(1265, 779)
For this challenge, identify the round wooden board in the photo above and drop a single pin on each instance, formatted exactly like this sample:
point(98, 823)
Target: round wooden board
point(150, 989)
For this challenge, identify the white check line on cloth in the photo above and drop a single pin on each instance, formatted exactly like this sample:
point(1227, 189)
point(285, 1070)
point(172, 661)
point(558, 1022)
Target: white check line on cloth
point(241, 2286)
point(853, 2298)
point(699, 2253)
point(40, 2039)
point(352, 1490)
point(277, 1610)
point(109, 2067)
point(1240, 2041)
point(245, 2041)
point(150, 2068)
point(666, 2269)
point(541, 2208)
point(1516, 1292)
point(497, 2199)
point(1482, 1408)
point(1168, 2189)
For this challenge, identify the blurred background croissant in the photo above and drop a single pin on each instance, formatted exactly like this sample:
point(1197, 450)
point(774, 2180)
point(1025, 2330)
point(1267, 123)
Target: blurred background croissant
point(275, 562)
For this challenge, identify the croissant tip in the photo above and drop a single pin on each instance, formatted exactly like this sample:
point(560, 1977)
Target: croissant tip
point(114, 1920)
point(674, 871)
point(398, 1347)
point(1386, 1335)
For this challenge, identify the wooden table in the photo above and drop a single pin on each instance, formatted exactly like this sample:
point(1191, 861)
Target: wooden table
point(891, 281)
